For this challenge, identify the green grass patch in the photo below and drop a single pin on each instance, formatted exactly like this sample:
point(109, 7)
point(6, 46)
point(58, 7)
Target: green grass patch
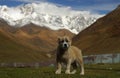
point(96, 71)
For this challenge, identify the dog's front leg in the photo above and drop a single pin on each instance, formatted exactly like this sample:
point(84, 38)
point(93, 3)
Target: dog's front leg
point(82, 66)
point(68, 67)
point(59, 67)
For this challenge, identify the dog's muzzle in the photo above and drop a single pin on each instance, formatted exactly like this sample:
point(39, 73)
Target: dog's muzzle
point(65, 45)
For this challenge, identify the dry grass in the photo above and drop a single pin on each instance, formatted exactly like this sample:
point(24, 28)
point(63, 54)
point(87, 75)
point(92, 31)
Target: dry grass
point(101, 37)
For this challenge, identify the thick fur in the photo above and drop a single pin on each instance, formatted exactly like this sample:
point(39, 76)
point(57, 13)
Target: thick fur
point(70, 56)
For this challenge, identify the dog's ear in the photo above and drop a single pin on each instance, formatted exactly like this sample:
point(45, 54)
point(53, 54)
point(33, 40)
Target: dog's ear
point(69, 39)
point(59, 39)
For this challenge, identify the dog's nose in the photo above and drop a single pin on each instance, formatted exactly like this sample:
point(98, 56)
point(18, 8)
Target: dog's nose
point(65, 45)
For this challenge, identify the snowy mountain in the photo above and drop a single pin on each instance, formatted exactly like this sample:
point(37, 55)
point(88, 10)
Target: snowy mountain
point(49, 15)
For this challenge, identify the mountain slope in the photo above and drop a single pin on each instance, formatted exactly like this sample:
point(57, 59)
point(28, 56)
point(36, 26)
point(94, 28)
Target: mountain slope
point(10, 51)
point(101, 37)
point(40, 38)
point(29, 43)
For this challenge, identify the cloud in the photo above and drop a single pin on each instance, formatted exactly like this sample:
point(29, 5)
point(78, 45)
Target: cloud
point(30, 1)
point(53, 8)
point(95, 5)
point(98, 7)
point(89, 5)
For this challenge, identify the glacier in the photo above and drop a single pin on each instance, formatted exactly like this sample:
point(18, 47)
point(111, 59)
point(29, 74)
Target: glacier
point(48, 15)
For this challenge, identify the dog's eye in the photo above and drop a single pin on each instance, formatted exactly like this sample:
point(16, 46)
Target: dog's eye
point(67, 41)
point(62, 41)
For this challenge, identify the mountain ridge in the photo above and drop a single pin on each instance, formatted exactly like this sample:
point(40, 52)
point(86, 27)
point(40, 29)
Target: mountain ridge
point(48, 15)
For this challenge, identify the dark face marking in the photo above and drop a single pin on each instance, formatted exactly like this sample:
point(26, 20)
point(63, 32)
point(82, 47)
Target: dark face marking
point(64, 42)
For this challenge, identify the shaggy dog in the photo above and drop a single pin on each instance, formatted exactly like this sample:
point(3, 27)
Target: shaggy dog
point(68, 55)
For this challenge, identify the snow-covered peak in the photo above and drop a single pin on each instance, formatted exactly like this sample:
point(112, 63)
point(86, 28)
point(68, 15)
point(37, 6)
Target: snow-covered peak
point(49, 15)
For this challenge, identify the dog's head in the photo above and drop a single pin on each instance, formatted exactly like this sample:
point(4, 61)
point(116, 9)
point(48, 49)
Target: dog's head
point(64, 42)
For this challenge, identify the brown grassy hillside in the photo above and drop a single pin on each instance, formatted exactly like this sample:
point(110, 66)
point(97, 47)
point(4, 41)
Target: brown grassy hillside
point(30, 43)
point(101, 37)
point(10, 51)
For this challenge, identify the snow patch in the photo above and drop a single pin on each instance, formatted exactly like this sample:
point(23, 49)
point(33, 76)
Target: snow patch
point(48, 15)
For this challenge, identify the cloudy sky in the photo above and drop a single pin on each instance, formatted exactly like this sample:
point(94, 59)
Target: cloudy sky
point(97, 6)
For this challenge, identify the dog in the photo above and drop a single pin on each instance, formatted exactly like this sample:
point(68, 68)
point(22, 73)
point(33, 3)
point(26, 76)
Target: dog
point(68, 55)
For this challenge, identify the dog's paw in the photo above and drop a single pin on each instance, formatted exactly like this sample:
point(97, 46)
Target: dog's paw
point(67, 72)
point(73, 72)
point(82, 73)
point(58, 72)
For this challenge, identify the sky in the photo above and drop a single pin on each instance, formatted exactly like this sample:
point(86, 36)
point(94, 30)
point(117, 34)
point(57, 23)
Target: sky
point(95, 6)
